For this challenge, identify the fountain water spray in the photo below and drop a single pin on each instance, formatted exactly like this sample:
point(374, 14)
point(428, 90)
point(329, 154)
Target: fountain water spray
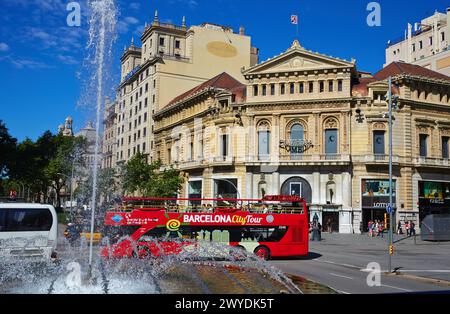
point(101, 37)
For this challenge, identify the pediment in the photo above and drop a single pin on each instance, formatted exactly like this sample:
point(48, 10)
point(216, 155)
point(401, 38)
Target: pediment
point(297, 59)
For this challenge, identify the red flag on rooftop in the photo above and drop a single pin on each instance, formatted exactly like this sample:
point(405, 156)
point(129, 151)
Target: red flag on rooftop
point(294, 19)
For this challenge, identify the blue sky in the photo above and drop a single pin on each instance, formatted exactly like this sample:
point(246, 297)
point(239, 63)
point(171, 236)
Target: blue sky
point(41, 58)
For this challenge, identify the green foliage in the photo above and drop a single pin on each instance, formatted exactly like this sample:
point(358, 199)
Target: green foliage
point(42, 164)
point(106, 186)
point(7, 150)
point(146, 180)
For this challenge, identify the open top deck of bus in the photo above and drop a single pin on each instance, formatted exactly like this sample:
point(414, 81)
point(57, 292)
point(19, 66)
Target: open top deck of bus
point(267, 205)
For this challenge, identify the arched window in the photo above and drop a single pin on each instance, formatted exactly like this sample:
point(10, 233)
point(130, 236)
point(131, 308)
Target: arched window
point(297, 139)
point(331, 136)
point(264, 140)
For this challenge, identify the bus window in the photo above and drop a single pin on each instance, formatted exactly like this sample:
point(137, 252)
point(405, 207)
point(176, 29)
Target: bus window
point(25, 220)
point(264, 234)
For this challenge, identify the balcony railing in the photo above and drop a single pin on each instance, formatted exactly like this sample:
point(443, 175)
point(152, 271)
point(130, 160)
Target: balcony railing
point(300, 158)
point(427, 161)
point(377, 159)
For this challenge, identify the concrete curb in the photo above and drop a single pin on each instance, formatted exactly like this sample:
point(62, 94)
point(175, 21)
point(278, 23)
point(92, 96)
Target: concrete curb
point(440, 282)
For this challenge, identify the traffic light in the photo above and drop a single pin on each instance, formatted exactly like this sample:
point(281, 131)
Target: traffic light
point(391, 250)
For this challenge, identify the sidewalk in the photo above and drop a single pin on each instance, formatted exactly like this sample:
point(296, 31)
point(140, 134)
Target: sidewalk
point(414, 257)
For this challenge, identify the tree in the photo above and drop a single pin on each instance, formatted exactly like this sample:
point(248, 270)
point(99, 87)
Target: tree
point(69, 150)
point(106, 186)
point(7, 150)
point(147, 180)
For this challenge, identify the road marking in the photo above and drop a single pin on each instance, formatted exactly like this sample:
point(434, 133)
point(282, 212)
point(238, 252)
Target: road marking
point(345, 265)
point(423, 271)
point(341, 276)
point(406, 290)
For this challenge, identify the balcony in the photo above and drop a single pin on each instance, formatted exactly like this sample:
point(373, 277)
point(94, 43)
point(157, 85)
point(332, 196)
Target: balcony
point(372, 159)
point(431, 162)
point(300, 160)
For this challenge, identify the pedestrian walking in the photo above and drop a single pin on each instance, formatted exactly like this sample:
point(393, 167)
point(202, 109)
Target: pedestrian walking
point(407, 228)
point(412, 229)
point(399, 228)
point(369, 226)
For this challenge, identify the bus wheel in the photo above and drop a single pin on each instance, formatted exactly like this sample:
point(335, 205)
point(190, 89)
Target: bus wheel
point(262, 252)
point(144, 252)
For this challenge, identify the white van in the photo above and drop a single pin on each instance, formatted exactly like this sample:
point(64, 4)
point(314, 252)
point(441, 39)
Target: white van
point(28, 230)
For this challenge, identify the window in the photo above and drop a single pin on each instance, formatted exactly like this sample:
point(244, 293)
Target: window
point(146, 87)
point(140, 105)
point(413, 47)
point(443, 36)
point(145, 103)
point(292, 88)
point(264, 140)
point(272, 89)
point(283, 89)
point(331, 142)
point(445, 147)
point(143, 147)
point(340, 86)
point(420, 44)
point(154, 83)
point(423, 138)
point(378, 143)
point(431, 41)
point(145, 132)
point(330, 86)
point(161, 41)
point(322, 87)
point(311, 87)
point(25, 220)
point(145, 117)
point(297, 136)
point(264, 90)
point(177, 44)
point(255, 90)
point(129, 139)
point(154, 98)
point(295, 188)
point(224, 145)
point(302, 88)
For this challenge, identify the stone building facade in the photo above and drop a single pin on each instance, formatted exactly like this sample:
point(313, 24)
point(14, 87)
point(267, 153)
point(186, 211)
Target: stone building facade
point(171, 60)
point(312, 125)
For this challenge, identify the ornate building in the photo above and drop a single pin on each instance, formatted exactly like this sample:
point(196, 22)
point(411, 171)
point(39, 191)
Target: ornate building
point(312, 125)
point(171, 60)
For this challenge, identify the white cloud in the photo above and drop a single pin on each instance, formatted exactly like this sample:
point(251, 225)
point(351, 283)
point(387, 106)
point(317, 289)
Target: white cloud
point(4, 47)
point(131, 20)
point(135, 5)
point(67, 59)
point(28, 63)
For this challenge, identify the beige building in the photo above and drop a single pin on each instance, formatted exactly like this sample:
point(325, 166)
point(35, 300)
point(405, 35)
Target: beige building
point(171, 60)
point(311, 125)
point(426, 44)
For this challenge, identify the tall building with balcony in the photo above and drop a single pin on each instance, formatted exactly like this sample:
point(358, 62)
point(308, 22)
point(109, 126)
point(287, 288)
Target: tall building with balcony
point(427, 44)
point(170, 61)
point(307, 124)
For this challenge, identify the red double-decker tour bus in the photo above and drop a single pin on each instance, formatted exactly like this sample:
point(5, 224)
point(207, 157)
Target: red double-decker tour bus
point(275, 226)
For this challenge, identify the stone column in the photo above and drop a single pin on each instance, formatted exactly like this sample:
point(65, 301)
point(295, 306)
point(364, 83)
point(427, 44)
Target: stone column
point(251, 136)
point(316, 187)
point(249, 185)
point(275, 151)
point(275, 183)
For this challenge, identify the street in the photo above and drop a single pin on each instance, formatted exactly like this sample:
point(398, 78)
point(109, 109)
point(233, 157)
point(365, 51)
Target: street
point(340, 262)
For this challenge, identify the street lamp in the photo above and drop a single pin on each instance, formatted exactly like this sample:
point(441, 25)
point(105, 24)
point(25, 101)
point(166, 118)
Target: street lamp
point(391, 207)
